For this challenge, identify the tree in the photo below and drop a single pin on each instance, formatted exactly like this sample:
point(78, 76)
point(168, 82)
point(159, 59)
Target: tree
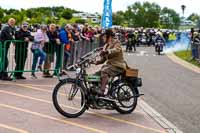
point(67, 14)
point(1, 14)
point(143, 14)
point(169, 18)
point(29, 13)
point(194, 17)
point(11, 11)
point(118, 18)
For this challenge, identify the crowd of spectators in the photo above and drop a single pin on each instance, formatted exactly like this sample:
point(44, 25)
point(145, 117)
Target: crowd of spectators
point(47, 41)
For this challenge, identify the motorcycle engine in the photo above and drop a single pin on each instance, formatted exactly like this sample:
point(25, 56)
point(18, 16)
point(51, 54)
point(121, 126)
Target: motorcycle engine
point(94, 87)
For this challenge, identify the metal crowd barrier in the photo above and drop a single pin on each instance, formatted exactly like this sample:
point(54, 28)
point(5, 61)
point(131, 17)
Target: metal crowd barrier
point(80, 48)
point(1, 60)
point(17, 56)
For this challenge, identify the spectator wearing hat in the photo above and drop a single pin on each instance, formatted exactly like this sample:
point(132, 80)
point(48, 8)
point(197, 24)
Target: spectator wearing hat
point(7, 33)
point(21, 49)
point(40, 39)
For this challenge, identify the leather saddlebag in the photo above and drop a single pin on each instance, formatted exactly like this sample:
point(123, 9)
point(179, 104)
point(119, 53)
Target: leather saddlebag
point(130, 72)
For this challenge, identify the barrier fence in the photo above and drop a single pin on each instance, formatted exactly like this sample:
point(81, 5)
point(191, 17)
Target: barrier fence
point(17, 57)
point(1, 60)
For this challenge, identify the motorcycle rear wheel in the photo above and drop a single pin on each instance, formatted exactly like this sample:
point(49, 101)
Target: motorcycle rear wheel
point(121, 107)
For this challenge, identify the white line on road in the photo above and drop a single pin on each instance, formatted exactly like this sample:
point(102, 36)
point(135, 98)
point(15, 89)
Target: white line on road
point(13, 128)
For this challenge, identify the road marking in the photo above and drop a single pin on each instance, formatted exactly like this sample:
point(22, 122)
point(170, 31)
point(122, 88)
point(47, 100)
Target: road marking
point(143, 53)
point(34, 88)
point(40, 85)
point(32, 98)
point(185, 64)
point(13, 128)
point(97, 114)
point(44, 90)
point(52, 118)
point(29, 84)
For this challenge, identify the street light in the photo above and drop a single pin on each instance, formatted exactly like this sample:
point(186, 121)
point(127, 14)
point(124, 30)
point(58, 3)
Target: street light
point(183, 9)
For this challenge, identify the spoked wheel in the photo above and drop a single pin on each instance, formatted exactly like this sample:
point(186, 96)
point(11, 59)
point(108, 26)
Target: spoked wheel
point(69, 99)
point(127, 98)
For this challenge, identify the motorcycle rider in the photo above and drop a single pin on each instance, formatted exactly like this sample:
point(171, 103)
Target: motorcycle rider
point(136, 37)
point(159, 38)
point(152, 37)
point(112, 54)
point(131, 42)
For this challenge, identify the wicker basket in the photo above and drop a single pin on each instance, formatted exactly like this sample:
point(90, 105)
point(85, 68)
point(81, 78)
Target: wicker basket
point(130, 72)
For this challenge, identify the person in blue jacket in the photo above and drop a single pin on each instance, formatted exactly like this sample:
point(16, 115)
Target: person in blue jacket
point(64, 39)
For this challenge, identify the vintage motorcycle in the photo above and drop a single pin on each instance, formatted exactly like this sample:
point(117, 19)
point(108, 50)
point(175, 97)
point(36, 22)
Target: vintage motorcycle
point(159, 46)
point(73, 96)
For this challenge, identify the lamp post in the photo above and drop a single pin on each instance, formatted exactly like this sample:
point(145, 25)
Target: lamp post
point(183, 9)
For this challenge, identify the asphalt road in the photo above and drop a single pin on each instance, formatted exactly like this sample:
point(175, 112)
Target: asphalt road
point(26, 107)
point(171, 89)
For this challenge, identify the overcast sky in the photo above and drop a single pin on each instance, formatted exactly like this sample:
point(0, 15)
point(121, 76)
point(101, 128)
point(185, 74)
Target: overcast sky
point(93, 6)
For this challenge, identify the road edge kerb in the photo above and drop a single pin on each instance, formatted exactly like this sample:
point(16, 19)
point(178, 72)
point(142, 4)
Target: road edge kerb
point(158, 118)
point(183, 63)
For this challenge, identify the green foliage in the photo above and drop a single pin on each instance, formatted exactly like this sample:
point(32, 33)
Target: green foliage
point(169, 18)
point(147, 15)
point(11, 11)
point(38, 15)
point(143, 14)
point(30, 13)
point(80, 21)
point(194, 17)
point(137, 15)
point(118, 18)
point(67, 14)
point(62, 22)
point(1, 14)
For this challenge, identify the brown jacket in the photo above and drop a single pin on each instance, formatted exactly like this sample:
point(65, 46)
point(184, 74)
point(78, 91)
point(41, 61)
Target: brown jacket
point(115, 57)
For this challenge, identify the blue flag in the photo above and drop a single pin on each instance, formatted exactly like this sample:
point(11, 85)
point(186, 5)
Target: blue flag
point(107, 15)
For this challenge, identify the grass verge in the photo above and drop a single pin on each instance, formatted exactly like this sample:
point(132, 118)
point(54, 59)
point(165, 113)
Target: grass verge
point(186, 55)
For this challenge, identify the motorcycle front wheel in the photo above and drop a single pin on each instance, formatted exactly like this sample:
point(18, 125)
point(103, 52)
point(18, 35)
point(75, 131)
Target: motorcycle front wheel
point(69, 99)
